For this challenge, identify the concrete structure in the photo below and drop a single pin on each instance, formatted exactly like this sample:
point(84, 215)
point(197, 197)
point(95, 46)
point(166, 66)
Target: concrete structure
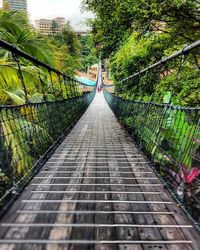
point(50, 27)
point(16, 4)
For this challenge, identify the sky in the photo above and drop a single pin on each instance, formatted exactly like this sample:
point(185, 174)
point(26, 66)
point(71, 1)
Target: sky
point(70, 9)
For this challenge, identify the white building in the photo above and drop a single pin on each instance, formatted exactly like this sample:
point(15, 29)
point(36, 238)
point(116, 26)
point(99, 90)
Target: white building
point(50, 27)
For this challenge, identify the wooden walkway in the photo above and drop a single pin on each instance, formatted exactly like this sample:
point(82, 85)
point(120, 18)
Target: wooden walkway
point(96, 192)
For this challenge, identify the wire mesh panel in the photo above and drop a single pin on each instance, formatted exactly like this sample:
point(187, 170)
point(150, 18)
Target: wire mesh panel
point(170, 136)
point(166, 131)
point(27, 131)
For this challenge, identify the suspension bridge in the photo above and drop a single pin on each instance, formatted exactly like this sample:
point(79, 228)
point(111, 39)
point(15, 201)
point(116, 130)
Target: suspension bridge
point(86, 184)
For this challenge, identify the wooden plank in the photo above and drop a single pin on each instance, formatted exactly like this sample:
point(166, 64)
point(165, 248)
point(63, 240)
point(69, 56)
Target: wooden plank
point(84, 233)
point(122, 233)
point(172, 233)
point(60, 233)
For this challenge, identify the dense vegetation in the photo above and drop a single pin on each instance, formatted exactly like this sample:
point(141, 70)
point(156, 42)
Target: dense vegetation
point(133, 34)
point(88, 52)
point(116, 20)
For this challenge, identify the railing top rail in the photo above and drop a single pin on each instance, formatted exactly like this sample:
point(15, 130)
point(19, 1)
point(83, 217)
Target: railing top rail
point(15, 50)
point(161, 105)
point(184, 51)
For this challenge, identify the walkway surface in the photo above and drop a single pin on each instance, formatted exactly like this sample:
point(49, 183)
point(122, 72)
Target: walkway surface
point(96, 192)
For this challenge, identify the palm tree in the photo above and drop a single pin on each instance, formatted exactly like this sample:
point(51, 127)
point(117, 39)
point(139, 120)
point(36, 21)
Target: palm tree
point(15, 29)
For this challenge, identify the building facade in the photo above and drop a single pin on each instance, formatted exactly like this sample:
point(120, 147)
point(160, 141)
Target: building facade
point(50, 27)
point(16, 5)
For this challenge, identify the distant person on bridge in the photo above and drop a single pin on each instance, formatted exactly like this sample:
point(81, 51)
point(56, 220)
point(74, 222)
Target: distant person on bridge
point(100, 87)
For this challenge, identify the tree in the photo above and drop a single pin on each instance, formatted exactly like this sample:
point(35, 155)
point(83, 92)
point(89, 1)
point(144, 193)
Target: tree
point(178, 17)
point(55, 26)
point(113, 21)
point(71, 40)
point(116, 20)
point(66, 47)
point(15, 29)
point(88, 52)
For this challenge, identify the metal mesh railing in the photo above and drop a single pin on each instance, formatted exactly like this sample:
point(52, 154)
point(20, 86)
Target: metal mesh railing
point(32, 129)
point(168, 134)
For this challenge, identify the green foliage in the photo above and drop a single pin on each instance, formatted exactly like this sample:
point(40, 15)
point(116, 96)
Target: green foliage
point(140, 52)
point(179, 18)
point(88, 52)
point(136, 34)
point(66, 47)
point(137, 53)
point(115, 20)
point(14, 28)
point(19, 142)
point(186, 91)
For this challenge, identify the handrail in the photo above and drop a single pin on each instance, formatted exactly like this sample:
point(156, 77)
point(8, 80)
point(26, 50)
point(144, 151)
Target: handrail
point(23, 54)
point(159, 105)
point(69, 84)
point(184, 52)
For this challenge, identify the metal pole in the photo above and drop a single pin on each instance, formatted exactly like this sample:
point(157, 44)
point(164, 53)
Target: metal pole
point(16, 58)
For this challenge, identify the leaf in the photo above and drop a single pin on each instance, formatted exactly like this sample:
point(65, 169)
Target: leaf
point(15, 98)
point(167, 97)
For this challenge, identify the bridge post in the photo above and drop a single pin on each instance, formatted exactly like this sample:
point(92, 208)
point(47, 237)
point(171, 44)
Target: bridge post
point(41, 82)
point(20, 74)
point(72, 93)
point(52, 84)
point(67, 92)
point(60, 84)
point(74, 88)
